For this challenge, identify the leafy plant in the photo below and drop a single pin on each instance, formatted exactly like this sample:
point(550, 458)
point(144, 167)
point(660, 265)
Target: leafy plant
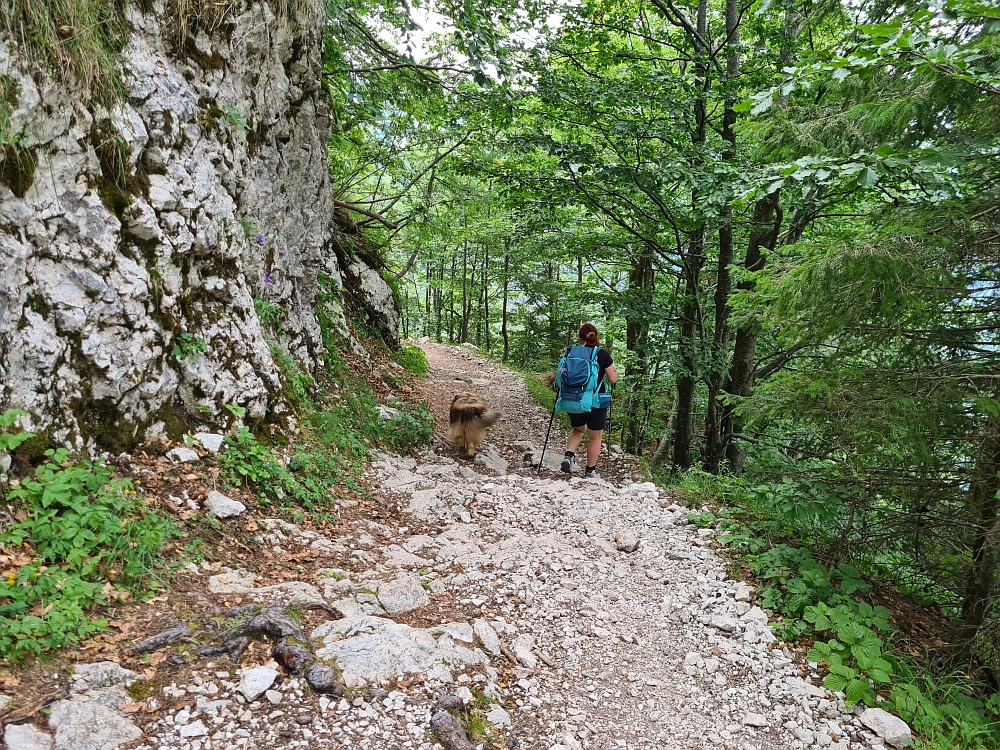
point(854, 656)
point(188, 346)
point(269, 314)
point(703, 520)
point(412, 358)
point(86, 529)
point(11, 440)
point(235, 119)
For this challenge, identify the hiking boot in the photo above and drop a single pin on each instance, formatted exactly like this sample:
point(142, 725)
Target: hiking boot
point(591, 473)
point(567, 462)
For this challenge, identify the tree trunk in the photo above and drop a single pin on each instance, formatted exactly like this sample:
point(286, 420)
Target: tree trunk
point(503, 314)
point(641, 280)
point(714, 442)
point(763, 234)
point(463, 331)
point(691, 265)
point(486, 294)
point(985, 507)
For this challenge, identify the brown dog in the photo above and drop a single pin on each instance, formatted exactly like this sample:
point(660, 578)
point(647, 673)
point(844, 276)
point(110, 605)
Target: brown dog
point(469, 420)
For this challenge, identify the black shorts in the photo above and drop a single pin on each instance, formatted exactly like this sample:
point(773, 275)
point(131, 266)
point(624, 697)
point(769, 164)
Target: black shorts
point(595, 419)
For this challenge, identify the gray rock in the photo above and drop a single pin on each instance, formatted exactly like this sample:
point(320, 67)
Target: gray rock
point(892, 729)
point(755, 616)
point(402, 594)
point(254, 682)
point(210, 441)
point(490, 459)
point(487, 636)
point(323, 679)
point(498, 717)
point(726, 623)
point(93, 721)
point(387, 413)
point(101, 674)
point(755, 720)
point(26, 737)
point(522, 648)
point(224, 507)
point(376, 649)
point(181, 455)
point(627, 541)
point(123, 313)
point(273, 697)
point(194, 729)
point(450, 731)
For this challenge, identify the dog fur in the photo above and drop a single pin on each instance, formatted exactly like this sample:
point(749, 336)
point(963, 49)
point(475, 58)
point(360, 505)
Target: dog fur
point(469, 419)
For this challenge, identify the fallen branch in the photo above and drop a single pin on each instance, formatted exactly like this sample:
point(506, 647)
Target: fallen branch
point(545, 659)
point(509, 654)
point(364, 212)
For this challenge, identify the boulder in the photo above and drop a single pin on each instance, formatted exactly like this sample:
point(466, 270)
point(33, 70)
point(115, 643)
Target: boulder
point(892, 729)
point(402, 594)
point(26, 737)
point(224, 507)
point(376, 649)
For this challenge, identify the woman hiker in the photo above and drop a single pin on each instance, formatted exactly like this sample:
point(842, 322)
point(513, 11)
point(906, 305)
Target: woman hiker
point(596, 419)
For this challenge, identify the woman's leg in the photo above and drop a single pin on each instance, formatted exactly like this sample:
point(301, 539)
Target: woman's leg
point(575, 438)
point(594, 447)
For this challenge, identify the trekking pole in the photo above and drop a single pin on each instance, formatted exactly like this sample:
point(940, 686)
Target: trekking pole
point(546, 445)
point(607, 460)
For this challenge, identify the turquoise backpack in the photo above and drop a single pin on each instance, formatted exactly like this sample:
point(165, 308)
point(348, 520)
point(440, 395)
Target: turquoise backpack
point(576, 380)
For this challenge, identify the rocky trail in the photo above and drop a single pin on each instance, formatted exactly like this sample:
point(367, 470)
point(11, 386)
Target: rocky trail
point(542, 613)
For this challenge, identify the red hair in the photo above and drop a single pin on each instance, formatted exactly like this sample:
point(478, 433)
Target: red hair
point(588, 335)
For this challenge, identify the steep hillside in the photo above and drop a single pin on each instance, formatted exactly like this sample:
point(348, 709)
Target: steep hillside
point(142, 240)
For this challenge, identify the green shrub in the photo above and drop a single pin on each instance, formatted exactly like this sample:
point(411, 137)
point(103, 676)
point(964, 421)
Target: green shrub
point(269, 314)
point(412, 358)
point(188, 346)
point(86, 528)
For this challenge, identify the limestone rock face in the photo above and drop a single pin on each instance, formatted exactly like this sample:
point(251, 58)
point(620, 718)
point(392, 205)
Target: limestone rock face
point(132, 252)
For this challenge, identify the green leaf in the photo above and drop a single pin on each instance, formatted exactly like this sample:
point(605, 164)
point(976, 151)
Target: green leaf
point(867, 178)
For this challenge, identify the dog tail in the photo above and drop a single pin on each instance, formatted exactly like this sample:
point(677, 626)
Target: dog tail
point(491, 418)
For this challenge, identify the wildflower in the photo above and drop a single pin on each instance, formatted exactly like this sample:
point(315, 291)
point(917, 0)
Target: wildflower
point(10, 579)
point(138, 481)
point(260, 238)
point(267, 278)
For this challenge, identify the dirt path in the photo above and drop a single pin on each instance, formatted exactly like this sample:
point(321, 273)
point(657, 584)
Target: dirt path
point(457, 369)
point(558, 615)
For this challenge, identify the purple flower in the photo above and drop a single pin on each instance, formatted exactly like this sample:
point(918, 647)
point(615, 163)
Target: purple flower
point(267, 278)
point(260, 238)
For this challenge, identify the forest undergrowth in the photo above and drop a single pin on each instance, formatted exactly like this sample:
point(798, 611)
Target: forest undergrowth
point(826, 603)
point(87, 536)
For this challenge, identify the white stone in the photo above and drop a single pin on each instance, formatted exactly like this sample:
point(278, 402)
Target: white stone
point(210, 441)
point(487, 636)
point(194, 729)
point(726, 623)
point(892, 729)
point(224, 507)
point(182, 455)
point(254, 682)
point(522, 647)
point(376, 649)
point(498, 717)
point(402, 594)
point(755, 720)
point(26, 737)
